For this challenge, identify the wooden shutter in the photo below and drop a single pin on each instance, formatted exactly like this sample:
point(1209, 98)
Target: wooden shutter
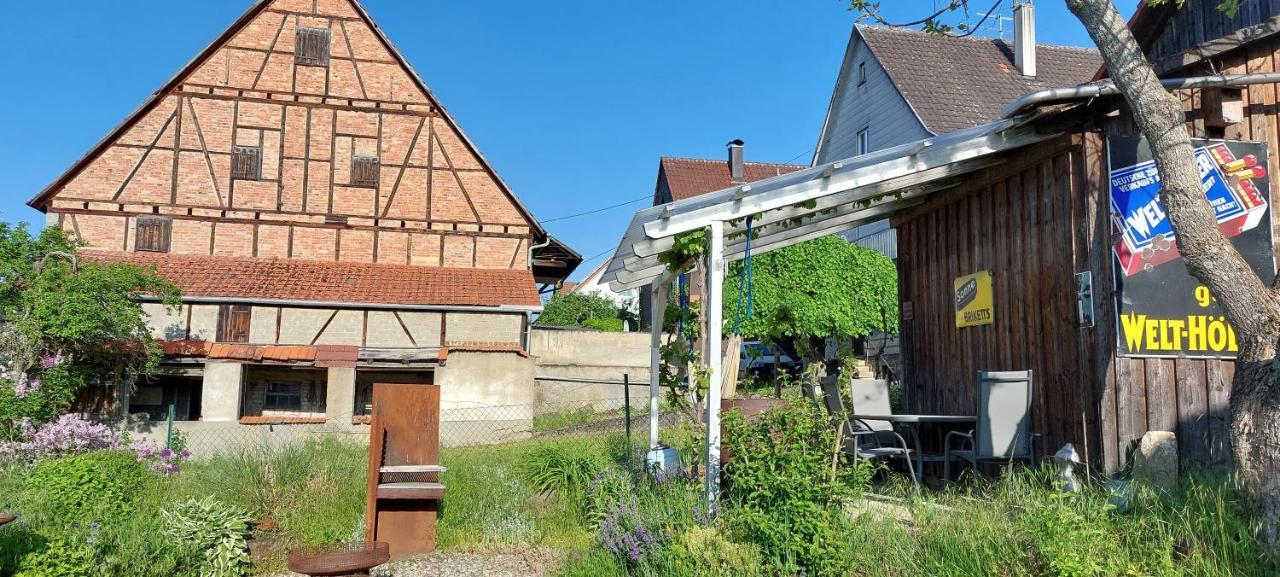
point(364, 171)
point(152, 234)
point(246, 163)
point(311, 47)
point(233, 323)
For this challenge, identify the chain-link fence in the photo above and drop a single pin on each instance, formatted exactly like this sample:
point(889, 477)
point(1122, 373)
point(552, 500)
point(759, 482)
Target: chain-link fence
point(462, 424)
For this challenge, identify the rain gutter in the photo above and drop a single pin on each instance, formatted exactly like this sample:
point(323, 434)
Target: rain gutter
point(1108, 88)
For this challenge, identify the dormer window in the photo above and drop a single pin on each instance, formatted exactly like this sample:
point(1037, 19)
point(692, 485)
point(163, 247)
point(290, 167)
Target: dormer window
point(312, 47)
point(246, 163)
point(364, 171)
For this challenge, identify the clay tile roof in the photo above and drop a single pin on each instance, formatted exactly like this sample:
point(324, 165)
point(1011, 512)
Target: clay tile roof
point(690, 177)
point(333, 282)
point(955, 83)
point(487, 347)
point(337, 355)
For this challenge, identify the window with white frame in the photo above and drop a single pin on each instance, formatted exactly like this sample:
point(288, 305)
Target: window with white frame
point(864, 141)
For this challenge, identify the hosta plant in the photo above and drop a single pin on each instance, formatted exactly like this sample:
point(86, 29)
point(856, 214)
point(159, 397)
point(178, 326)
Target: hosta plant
point(214, 528)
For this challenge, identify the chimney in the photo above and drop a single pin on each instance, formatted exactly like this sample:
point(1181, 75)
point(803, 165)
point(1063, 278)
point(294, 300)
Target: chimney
point(1024, 38)
point(737, 172)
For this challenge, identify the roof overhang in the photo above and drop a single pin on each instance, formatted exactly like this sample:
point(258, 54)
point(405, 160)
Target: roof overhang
point(553, 261)
point(818, 201)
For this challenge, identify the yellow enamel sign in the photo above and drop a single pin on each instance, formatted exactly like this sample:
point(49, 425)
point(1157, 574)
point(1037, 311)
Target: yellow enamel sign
point(973, 299)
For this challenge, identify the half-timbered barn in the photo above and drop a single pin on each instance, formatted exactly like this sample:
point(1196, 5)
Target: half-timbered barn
point(329, 224)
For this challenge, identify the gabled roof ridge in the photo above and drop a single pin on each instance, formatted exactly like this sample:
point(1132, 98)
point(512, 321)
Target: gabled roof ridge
point(255, 10)
point(98, 254)
point(721, 161)
point(972, 37)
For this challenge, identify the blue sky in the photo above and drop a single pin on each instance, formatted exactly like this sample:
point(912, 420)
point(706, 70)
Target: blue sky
point(573, 101)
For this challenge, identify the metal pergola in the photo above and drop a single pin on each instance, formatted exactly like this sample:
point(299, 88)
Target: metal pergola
point(786, 210)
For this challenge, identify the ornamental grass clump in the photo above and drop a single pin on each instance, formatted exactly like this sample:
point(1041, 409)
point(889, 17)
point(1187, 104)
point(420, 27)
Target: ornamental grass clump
point(560, 469)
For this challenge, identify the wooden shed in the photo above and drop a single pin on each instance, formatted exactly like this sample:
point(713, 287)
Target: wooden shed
point(1042, 223)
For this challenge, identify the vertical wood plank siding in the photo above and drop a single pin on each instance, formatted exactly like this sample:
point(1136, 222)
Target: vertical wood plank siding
point(1015, 221)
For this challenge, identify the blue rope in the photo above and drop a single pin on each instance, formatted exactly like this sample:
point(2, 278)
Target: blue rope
point(682, 296)
point(744, 283)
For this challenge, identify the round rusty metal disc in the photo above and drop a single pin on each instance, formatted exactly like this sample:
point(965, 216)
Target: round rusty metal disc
point(339, 559)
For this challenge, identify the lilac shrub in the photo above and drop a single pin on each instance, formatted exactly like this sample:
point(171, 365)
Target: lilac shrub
point(71, 434)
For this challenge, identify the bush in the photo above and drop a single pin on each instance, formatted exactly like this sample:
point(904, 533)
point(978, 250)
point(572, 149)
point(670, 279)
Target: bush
point(97, 486)
point(787, 497)
point(214, 528)
point(70, 556)
point(705, 552)
point(609, 488)
point(613, 325)
point(560, 469)
point(583, 310)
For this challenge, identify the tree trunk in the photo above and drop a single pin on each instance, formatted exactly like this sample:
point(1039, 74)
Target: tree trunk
point(1251, 307)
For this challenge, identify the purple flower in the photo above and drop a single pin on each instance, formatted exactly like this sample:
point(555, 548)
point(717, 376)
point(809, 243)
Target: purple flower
point(68, 435)
point(25, 386)
point(50, 361)
point(166, 453)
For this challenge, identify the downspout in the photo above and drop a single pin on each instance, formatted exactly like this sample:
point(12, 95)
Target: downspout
point(1108, 88)
point(528, 319)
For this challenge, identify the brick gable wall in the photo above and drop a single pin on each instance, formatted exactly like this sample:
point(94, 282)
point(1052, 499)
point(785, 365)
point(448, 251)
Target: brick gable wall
point(435, 203)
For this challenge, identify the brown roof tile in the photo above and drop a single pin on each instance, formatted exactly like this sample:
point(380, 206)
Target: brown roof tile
point(315, 281)
point(690, 177)
point(487, 347)
point(337, 355)
point(955, 83)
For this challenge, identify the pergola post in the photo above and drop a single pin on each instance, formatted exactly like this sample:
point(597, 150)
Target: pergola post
point(657, 310)
point(715, 326)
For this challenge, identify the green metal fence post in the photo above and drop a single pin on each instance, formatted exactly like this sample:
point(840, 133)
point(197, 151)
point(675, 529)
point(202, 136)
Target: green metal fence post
point(168, 438)
point(626, 410)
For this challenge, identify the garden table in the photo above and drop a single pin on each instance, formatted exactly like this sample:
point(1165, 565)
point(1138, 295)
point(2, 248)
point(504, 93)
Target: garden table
point(912, 423)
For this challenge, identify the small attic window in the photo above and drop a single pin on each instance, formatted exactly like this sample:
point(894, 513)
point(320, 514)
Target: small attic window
point(364, 171)
point(312, 47)
point(246, 163)
point(862, 73)
point(152, 234)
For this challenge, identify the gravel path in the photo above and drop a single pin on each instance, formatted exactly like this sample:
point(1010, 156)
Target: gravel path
point(455, 564)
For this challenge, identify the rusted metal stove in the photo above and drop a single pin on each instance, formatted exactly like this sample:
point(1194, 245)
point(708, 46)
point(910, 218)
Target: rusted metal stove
point(404, 488)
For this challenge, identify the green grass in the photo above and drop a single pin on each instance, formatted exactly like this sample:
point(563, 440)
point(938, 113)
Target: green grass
point(1015, 526)
point(1020, 526)
point(575, 417)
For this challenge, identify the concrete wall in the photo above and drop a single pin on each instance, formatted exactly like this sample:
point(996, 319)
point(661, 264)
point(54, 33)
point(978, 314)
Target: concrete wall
point(220, 392)
point(485, 398)
point(589, 355)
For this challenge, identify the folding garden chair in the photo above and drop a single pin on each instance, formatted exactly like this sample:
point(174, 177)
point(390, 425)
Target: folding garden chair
point(862, 440)
point(1004, 416)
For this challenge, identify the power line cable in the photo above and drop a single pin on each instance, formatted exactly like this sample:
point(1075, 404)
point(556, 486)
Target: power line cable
point(610, 207)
